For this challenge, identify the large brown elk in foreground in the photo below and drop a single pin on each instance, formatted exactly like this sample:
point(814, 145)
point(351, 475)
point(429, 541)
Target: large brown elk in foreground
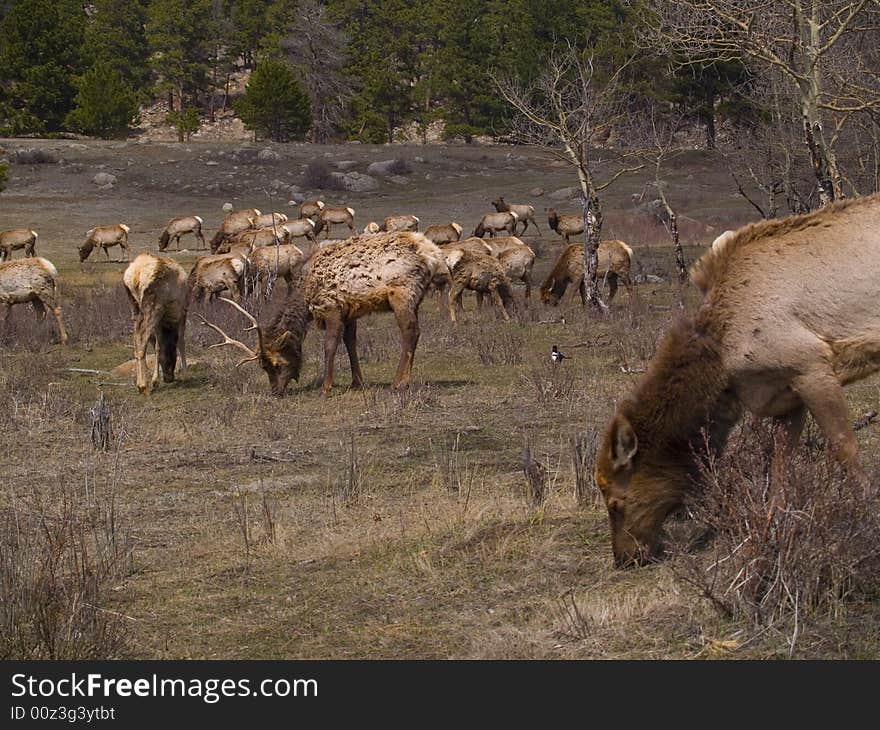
point(15, 239)
point(340, 284)
point(179, 226)
point(105, 237)
point(235, 222)
point(31, 280)
point(157, 292)
point(776, 345)
point(615, 262)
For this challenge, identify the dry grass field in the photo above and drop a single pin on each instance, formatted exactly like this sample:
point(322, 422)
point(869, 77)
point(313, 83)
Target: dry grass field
point(222, 522)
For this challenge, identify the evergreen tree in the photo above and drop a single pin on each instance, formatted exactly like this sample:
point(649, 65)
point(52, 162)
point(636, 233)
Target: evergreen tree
point(249, 25)
point(273, 103)
point(105, 104)
point(115, 36)
point(180, 36)
point(40, 55)
point(3, 177)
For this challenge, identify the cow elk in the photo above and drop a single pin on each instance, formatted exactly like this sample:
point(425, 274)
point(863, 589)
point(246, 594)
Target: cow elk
point(446, 233)
point(337, 216)
point(177, 227)
point(301, 228)
point(311, 209)
point(268, 220)
point(479, 272)
point(16, 239)
point(235, 222)
point(516, 259)
point(340, 284)
point(525, 213)
point(615, 262)
point(270, 263)
point(566, 225)
point(217, 273)
point(157, 291)
point(492, 223)
point(31, 280)
point(778, 347)
point(105, 237)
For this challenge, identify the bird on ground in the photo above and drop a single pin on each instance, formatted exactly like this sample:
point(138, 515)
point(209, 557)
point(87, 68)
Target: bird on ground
point(557, 356)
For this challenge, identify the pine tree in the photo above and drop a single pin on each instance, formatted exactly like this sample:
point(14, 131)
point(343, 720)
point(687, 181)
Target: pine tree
point(3, 177)
point(105, 104)
point(115, 36)
point(273, 103)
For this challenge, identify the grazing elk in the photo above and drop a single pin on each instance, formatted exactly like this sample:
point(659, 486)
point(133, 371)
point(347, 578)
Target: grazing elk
point(15, 239)
point(340, 284)
point(481, 273)
point(566, 225)
point(268, 220)
point(440, 234)
point(270, 263)
point(615, 262)
point(525, 213)
point(491, 223)
point(31, 280)
point(157, 291)
point(336, 216)
point(311, 209)
point(395, 223)
point(105, 237)
point(179, 226)
point(776, 346)
point(301, 228)
point(516, 258)
point(255, 238)
point(214, 274)
point(235, 222)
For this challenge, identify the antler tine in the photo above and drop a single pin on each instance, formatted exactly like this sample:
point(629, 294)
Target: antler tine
point(227, 340)
point(247, 314)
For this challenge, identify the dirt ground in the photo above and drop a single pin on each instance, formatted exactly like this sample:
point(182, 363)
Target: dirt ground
point(371, 524)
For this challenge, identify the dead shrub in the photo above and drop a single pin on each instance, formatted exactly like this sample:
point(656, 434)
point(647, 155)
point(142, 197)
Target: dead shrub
point(398, 167)
point(63, 548)
point(319, 175)
point(551, 382)
point(582, 449)
point(782, 551)
point(32, 156)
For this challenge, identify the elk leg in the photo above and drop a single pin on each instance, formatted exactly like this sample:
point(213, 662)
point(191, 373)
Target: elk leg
point(823, 395)
point(49, 302)
point(408, 321)
point(201, 239)
point(106, 250)
point(479, 299)
point(181, 342)
point(612, 286)
point(332, 335)
point(453, 298)
point(628, 283)
point(496, 297)
point(349, 337)
point(582, 290)
point(527, 280)
point(154, 339)
point(787, 433)
point(39, 309)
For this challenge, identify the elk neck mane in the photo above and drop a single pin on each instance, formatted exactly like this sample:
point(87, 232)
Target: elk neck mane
point(711, 268)
point(684, 386)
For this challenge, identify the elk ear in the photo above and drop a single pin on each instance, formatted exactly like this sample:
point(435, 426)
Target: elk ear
point(624, 444)
point(281, 340)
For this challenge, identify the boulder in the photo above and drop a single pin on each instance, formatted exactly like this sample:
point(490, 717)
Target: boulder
point(268, 155)
point(384, 168)
point(565, 193)
point(103, 179)
point(356, 182)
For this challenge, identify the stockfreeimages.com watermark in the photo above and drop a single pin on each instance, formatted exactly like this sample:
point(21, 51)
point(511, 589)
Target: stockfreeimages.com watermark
point(209, 690)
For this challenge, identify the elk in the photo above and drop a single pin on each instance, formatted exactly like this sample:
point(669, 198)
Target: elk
point(440, 234)
point(516, 258)
point(615, 261)
point(235, 222)
point(157, 291)
point(255, 238)
point(525, 213)
point(301, 228)
point(311, 209)
point(31, 280)
point(15, 239)
point(216, 273)
point(481, 273)
point(179, 226)
point(338, 285)
point(275, 262)
point(336, 216)
point(491, 223)
point(778, 348)
point(105, 237)
point(566, 225)
point(268, 220)
point(400, 223)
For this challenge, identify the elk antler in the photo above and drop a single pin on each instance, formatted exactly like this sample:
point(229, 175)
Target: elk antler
point(227, 340)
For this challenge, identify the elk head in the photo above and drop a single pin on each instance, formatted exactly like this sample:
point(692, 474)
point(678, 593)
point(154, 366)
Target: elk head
point(279, 345)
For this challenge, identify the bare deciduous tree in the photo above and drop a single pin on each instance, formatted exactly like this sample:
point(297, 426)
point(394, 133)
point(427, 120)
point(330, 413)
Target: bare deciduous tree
point(569, 109)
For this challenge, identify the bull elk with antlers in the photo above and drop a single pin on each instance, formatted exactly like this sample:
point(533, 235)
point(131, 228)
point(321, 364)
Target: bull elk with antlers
point(338, 285)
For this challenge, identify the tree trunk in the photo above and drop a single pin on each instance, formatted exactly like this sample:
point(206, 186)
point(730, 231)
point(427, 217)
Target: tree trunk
point(592, 211)
point(710, 118)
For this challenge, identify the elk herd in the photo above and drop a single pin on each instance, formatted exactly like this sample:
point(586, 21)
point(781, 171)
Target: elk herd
point(778, 345)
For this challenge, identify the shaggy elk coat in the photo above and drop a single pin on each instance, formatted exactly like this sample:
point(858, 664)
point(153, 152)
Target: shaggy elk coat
point(788, 317)
point(615, 262)
point(105, 237)
point(31, 280)
point(179, 226)
point(157, 292)
point(15, 239)
point(339, 285)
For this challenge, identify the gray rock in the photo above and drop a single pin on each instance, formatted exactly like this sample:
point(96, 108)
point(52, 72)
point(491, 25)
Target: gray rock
point(212, 163)
point(536, 192)
point(268, 155)
point(565, 193)
point(419, 159)
point(399, 180)
point(103, 179)
point(346, 165)
point(382, 168)
point(357, 182)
